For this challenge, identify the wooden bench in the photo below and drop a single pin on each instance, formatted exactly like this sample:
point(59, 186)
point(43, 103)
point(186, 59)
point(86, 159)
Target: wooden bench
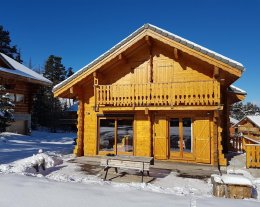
point(127, 162)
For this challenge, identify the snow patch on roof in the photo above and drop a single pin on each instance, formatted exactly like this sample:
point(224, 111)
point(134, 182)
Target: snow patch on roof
point(170, 35)
point(185, 41)
point(22, 70)
point(236, 89)
point(255, 119)
point(233, 121)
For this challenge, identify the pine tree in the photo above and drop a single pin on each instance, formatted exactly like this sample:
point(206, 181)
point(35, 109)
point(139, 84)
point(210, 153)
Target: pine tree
point(69, 72)
point(6, 109)
point(48, 109)
point(240, 110)
point(6, 47)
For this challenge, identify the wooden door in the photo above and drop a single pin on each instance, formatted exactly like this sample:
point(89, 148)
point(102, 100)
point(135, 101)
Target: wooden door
point(160, 138)
point(202, 139)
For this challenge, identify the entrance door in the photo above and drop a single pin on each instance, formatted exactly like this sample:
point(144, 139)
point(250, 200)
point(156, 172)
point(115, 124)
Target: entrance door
point(115, 136)
point(181, 140)
point(160, 138)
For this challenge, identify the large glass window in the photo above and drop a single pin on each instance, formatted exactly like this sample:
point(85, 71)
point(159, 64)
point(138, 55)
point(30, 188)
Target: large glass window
point(187, 141)
point(125, 135)
point(116, 135)
point(180, 135)
point(107, 134)
point(174, 135)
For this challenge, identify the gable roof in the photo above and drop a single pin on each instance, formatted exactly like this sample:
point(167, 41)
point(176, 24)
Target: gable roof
point(253, 118)
point(160, 31)
point(19, 69)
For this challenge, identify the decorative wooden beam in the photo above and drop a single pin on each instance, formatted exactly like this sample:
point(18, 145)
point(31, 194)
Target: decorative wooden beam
point(176, 53)
point(71, 90)
point(216, 72)
point(148, 40)
point(95, 78)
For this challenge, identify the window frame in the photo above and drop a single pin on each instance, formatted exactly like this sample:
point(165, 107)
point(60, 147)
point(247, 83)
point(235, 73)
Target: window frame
point(115, 151)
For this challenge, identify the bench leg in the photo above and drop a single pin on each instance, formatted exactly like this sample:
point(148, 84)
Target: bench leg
point(106, 169)
point(142, 176)
point(148, 173)
point(116, 170)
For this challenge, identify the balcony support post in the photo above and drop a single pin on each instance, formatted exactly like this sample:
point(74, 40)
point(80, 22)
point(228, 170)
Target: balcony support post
point(96, 107)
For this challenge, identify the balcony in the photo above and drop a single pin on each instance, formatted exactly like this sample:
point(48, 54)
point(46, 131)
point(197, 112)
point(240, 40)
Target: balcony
point(192, 93)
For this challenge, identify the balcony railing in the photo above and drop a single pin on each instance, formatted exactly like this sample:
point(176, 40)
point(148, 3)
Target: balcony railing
point(197, 93)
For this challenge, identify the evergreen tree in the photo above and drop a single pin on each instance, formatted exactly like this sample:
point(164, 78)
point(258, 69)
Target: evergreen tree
point(6, 47)
point(47, 110)
point(69, 72)
point(6, 109)
point(54, 70)
point(240, 110)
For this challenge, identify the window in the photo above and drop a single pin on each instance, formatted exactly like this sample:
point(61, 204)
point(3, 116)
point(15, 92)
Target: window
point(19, 98)
point(180, 135)
point(107, 134)
point(116, 135)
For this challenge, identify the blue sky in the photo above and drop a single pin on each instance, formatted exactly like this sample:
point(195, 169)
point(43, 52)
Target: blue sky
point(81, 30)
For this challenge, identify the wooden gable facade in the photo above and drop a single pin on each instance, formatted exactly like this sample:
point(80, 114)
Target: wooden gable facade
point(21, 83)
point(156, 95)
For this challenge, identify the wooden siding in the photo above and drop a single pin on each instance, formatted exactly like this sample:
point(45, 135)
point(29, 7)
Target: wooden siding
point(22, 88)
point(252, 155)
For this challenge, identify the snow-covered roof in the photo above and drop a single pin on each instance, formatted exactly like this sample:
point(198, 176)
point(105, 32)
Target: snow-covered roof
point(255, 119)
point(235, 89)
point(21, 70)
point(165, 33)
point(233, 121)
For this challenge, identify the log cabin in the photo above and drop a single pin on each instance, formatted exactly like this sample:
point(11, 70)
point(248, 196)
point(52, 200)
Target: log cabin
point(249, 126)
point(21, 83)
point(155, 94)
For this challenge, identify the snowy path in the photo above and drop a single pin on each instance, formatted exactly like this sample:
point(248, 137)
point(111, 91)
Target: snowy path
point(17, 191)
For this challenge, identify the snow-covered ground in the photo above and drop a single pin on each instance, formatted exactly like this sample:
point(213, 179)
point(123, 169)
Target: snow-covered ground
point(15, 146)
point(63, 183)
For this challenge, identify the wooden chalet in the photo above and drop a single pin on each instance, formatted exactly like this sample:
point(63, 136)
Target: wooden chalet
point(249, 126)
point(155, 94)
point(21, 83)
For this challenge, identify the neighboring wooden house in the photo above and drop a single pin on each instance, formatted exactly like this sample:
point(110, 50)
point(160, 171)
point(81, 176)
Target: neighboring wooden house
point(21, 83)
point(249, 126)
point(232, 128)
point(155, 94)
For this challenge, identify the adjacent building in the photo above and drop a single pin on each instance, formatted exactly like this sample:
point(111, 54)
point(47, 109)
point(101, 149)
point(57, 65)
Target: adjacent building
point(21, 83)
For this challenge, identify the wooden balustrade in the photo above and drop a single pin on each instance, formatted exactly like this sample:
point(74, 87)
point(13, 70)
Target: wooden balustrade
point(159, 94)
point(252, 155)
point(236, 144)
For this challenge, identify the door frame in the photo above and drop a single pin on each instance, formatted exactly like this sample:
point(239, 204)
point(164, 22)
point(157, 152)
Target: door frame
point(181, 155)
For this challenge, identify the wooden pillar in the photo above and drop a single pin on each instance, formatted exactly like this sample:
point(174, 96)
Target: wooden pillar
point(95, 90)
point(79, 149)
point(215, 138)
